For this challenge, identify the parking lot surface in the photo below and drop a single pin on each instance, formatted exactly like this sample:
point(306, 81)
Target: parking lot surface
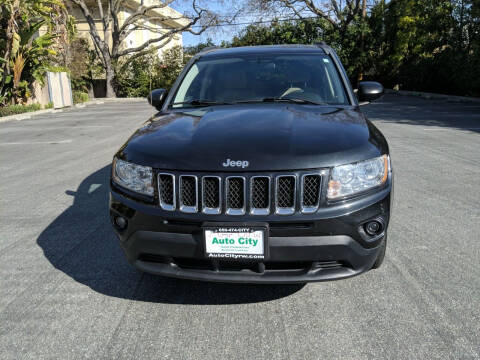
point(67, 292)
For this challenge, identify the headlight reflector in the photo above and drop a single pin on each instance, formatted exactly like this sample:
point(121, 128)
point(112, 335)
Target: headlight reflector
point(346, 180)
point(134, 177)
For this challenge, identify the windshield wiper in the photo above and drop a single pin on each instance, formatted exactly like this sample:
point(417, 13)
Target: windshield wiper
point(278, 99)
point(201, 103)
point(291, 100)
point(267, 99)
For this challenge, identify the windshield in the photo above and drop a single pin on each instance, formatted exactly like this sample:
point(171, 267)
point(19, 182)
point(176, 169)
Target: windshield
point(302, 78)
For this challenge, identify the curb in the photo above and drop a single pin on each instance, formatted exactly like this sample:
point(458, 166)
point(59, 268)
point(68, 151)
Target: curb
point(109, 100)
point(28, 115)
point(434, 96)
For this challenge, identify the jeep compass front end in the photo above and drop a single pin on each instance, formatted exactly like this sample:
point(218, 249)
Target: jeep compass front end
point(259, 167)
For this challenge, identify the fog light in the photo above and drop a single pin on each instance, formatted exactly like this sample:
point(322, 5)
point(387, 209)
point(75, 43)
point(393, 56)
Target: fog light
point(121, 222)
point(373, 227)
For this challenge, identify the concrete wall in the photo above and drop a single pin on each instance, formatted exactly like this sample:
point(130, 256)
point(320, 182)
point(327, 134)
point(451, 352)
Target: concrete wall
point(57, 90)
point(40, 94)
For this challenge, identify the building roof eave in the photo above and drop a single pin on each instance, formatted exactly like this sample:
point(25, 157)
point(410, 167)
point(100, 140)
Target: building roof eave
point(175, 18)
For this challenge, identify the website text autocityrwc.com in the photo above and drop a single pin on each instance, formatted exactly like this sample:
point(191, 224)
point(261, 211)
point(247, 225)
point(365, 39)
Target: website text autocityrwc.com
point(236, 256)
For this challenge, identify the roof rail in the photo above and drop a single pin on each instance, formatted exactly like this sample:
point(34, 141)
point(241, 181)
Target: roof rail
point(323, 45)
point(209, 49)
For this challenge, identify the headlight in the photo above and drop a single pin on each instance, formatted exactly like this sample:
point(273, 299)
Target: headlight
point(346, 180)
point(133, 177)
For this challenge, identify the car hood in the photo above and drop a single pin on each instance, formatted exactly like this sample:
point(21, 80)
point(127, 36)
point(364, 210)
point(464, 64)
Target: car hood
point(268, 136)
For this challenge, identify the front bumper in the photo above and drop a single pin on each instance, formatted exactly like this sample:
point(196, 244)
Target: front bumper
point(330, 244)
point(292, 259)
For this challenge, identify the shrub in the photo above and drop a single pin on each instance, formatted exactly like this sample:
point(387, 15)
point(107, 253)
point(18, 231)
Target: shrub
point(48, 106)
point(83, 64)
point(18, 109)
point(80, 97)
point(138, 75)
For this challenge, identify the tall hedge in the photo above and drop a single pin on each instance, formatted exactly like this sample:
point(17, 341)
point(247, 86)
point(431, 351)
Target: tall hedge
point(424, 45)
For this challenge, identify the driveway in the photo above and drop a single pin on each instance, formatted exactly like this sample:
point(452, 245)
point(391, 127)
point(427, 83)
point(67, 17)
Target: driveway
point(66, 291)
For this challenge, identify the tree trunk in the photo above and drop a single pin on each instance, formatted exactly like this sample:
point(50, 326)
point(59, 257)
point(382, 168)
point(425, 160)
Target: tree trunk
point(110, 90)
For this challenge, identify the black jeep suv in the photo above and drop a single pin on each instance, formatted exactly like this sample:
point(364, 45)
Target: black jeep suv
point(258, 167)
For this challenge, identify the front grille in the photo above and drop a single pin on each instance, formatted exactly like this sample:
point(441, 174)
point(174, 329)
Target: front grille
point(238, 195)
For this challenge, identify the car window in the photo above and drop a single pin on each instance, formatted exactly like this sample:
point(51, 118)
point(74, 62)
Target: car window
point(309, 77)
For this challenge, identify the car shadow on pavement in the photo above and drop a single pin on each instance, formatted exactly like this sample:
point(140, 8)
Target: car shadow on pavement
point(426, 113)
point(80, 242)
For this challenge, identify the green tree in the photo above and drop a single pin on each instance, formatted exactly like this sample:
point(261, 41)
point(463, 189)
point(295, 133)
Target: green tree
point(111, 47)
point(409, 33)
point(194, 49)
point(426, 45)
point(308, 31)
point(83, 65)
point(464, 52)
point(342, 24)
point(25, 55)
point(144, 73)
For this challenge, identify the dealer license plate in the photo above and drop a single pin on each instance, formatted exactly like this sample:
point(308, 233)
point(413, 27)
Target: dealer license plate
point(235, 242)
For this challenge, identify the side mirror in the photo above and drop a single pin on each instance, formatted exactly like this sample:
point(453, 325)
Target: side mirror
point(369, 91)
point(157, 97)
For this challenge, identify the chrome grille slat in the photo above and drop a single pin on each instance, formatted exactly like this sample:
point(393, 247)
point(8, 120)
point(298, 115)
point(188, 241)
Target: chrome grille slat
point(211, 195)
point(286, 193)
point(235, 195)
point(260, 195)
point(188, 193)
point(166, 191)
point(310, 193)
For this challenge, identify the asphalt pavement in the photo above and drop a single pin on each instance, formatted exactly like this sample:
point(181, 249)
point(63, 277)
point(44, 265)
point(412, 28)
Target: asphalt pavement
point(66, 291)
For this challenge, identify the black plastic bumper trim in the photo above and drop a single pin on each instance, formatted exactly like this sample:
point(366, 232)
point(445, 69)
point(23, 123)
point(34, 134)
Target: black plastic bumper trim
point(356, 259)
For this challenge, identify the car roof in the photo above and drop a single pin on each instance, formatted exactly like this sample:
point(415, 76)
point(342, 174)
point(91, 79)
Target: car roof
point(262, 49)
